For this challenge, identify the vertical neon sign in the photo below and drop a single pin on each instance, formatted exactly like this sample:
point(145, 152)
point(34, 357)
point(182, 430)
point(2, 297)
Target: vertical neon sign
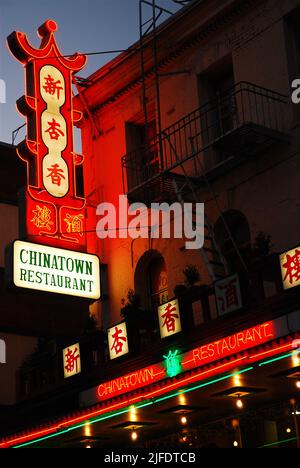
point(52, 212)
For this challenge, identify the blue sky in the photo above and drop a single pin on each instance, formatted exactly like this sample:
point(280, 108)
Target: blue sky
point(84, 26)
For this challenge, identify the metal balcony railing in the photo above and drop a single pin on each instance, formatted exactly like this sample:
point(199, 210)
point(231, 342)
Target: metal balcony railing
point(242, 121)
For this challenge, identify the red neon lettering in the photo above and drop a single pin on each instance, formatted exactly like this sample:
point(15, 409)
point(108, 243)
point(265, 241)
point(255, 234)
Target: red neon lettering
point(240, 338)
point(268, 334)
point(204, 354)
point(230, 345)
point(225, 347)
point(196, 355)
point(211, 350)
point(129, 382)
point(217, 344)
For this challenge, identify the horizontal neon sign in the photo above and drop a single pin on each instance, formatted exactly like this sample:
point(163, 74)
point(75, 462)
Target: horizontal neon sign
point(122, 407)
point(43, 268)
point(201, 356)
point(131, 382)
point(232, 344)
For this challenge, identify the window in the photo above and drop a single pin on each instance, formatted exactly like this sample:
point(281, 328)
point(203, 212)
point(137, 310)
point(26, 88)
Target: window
point(142, 148)
point(238, 226)
point(219, 108)
point(158, 281)
point(292, 34)
point(293, 42)
point(151, 280)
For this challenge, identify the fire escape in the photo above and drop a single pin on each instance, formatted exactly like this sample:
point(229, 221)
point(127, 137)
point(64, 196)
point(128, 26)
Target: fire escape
point(174, 165)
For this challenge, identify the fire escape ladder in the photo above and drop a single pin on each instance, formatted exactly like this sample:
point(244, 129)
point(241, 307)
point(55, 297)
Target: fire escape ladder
point(207, 253)
point(211, 252)
point(214, 261)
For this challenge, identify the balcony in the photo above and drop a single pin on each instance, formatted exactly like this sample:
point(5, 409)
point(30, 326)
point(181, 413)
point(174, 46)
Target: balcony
point(235, 126)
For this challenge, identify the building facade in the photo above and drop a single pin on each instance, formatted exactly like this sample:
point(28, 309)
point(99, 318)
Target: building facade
point(199, 111)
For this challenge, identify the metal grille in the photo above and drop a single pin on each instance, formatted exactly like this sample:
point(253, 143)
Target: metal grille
point(250, 114)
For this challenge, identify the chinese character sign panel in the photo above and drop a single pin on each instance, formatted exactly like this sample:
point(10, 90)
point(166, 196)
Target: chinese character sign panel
point(228, 295)
point(169, 319)
point(290, 268)
point(118, 341)
point(71, 360)
point(52, 212)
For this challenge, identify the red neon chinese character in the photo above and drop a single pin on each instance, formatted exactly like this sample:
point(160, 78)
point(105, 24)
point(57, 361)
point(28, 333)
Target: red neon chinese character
point(51, 87)
point(119, 341)
point(56, 174)
point(170, 317)
point(42, 218)
point(292, 266)
point(54, 130)
point(72, 360)
point(231, 295)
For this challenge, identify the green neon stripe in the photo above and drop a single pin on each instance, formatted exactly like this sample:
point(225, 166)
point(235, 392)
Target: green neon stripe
point(32, 442)
point(69, 429)
point(79, 426)
point(152, 402)
point(275, 359)
point(280, 442)
point(118, 413)
point(180, 392)
point(220, 379)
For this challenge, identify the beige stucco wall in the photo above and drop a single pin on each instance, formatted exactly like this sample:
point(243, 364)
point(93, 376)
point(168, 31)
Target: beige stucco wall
point(266, 188)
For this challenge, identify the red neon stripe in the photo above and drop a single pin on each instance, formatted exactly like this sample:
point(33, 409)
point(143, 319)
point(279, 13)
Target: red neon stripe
point(158, 392)
point(271, 351)
point(123, 404)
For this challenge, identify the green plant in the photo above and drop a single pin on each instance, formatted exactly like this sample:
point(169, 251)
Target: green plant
point(262, 245)
point(191, 274)
point(131, 303)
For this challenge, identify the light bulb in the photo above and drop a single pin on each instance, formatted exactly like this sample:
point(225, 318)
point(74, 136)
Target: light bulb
point(239, 404)
point(88, 447)
point(289, 430)
point(134, 436)
point(296, 360)
point(298, 384)
point(237, 380)
point(87, 430)
point(235, 444)
point(183, 420)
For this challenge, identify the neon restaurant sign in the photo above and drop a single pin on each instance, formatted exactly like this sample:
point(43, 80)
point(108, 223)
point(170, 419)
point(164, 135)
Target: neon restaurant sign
point(175, 363)
point(199, 368)
point(52, 213)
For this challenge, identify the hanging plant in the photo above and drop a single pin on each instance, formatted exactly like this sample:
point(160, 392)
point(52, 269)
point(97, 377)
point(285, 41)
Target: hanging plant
point(131, 304)
point(262, 246)
point(192, 275)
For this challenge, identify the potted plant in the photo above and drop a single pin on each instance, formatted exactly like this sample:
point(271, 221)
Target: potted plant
point(131, 306)
point(192, 275)
point(137, 319)
point(262, 246)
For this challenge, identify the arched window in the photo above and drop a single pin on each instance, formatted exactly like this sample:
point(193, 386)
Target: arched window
point(151, 279)
point(239, 229)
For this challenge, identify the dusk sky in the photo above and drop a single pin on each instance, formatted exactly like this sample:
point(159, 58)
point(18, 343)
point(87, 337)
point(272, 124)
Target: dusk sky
point(84, 26)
